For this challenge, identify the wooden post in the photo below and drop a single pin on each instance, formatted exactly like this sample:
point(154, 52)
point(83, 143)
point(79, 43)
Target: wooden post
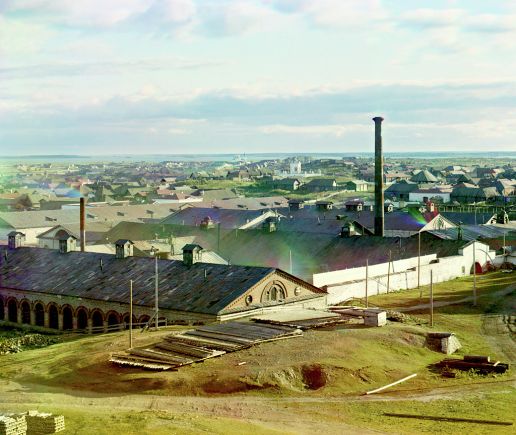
point(367, 283)
point(419, 260)
point(432, 298)
point(391, 385)
point(474, 275)
point(130, 314)
point(155, 251)
point(389, 272)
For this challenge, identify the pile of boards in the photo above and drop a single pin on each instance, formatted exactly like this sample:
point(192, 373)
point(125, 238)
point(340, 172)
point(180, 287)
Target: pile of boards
point(31, 423)
point(370, 316)
point(204, 342)
point(44, 423)
point(480, 364)
point(302, 318)
point(13, 424)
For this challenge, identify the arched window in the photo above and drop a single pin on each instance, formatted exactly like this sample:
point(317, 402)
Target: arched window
point(12, 311)
point(1, 309)
point(126, 321)
point(39, 311)
point(67, 318)
point(82, 318)
point(53, 317)
point(97, 320)
point(143, 320)
point(25, 312)
point(113, 319)
point(275, 292)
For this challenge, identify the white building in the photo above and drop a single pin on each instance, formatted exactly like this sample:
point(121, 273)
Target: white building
point(295, 167)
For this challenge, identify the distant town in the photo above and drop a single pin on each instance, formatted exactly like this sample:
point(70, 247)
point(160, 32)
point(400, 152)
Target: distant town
point(207, 258)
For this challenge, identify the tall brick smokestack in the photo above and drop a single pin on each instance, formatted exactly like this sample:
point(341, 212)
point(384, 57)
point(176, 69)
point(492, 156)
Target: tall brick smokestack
point(83, 226)
point(378, 178)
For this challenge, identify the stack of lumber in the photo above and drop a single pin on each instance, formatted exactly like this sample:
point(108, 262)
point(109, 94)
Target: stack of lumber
point(371, 316)
point(205, 342)
point(302, 319)
point(481, 364)
point(12, 424)
point(43, 423)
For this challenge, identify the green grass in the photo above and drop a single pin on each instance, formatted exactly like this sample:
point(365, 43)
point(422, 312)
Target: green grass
point(448, 291)
point(89, 420)
point(268, 394)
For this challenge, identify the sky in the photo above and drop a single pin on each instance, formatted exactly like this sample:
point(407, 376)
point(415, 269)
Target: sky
point(97, 77)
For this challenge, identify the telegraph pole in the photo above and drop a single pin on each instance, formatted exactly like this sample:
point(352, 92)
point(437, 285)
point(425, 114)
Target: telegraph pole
point(419, 260)
point(130, 314)
point(156, 281)
point(389, 272)
point(432, 298)
point(474, 275)
point(367, 283)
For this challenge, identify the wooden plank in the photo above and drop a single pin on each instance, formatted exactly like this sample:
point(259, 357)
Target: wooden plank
point(248, 331)
point(477, 358)
point(160, 356)
point(392, 384)
point(465, 365)
point(221, 337)
point(184, 349)
point(206, 342)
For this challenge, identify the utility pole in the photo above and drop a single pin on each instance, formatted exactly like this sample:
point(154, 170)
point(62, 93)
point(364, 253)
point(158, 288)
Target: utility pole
point(130, 314)
point(432, 298)
point(389, 272)
point(419, 260)
point(367, 283)
point(156, 281)
point(474, 275)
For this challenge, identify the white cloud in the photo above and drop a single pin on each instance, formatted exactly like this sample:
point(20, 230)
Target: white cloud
point(429, 18)
point(336, 130)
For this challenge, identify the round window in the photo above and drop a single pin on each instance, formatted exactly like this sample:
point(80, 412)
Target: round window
point(249, 300)
point(297, 291)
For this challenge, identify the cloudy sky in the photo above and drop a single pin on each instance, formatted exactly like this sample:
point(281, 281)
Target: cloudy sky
point(232, 76)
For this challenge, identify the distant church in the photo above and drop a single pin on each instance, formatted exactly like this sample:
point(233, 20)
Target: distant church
point(295, 167)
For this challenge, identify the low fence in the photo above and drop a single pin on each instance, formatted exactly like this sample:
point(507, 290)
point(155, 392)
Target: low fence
point(115, 328)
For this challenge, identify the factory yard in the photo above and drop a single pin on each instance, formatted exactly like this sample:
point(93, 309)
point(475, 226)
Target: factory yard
point(311, 384)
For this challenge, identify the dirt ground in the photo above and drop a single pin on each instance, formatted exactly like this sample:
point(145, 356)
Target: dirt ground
point(314, 384)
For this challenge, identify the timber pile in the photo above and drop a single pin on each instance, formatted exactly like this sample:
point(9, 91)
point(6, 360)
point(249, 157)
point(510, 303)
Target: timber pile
point(371, 316)
point(305, 324)
point(480, 364)
point(205, 342)
point(12, 424)
point(43, 423)
point(302, 318)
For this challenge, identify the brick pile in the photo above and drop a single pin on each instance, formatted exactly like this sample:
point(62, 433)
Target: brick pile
point(12, 424)
point(43, 423)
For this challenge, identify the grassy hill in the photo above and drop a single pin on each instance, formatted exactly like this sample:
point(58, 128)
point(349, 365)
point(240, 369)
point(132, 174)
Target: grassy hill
point(312, 384)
